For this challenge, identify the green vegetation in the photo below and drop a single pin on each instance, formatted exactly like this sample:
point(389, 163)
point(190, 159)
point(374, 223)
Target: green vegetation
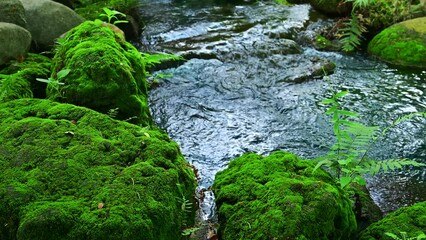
point(113, 16)
point(91, 9)
point(401, 44)
point(348, 158)
point(106, 72)
point(18, 80)
point(279, 197)
point(71, 173)
point(409, 222)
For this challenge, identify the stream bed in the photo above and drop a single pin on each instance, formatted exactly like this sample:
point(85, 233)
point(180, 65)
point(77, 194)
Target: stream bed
point(250, 83)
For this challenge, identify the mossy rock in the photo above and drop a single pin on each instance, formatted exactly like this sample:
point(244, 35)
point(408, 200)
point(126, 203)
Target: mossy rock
point(402, 44)
point(278, 197)
point(18, 79)
point(331, 7)
point(411, 220)
point(69, 172)
point(106, 72)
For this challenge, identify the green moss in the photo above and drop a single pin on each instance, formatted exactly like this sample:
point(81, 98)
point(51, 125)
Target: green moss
point(106, 72)
point(90, 9)
point(411, 220)
point(19, 79)
point(72, 173)
point(400, 45)
point(278, 197)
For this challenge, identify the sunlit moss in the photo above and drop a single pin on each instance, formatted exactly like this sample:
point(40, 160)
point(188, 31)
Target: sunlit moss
point(278, 197)
point(106, 72)
point(71, 173)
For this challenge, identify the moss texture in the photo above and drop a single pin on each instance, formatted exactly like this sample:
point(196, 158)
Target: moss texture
point(106, 72)
point(411, 220)
point(278, 197)
point(402, 44)
point(68, 172)
point(19, 79)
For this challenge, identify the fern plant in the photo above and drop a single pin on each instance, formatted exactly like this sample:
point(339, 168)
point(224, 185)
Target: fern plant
point(351, 33)
point(347, 158)
point(404, 236)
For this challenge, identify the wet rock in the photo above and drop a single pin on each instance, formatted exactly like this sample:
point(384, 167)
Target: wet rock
point(47, 20)
point(12, 11)
point(69, 172)
point(106, 72)
point(278, 197)
point(406, 219)
point(15, 42)
point(402, 44)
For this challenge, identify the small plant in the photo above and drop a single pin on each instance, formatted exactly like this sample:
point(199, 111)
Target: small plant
point(113, 16)
point(190, 231)
point(404, 236)
point(54, 83)
point(347, 159)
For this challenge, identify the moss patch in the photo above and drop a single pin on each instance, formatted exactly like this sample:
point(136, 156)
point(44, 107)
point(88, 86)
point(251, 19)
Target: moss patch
point(71, 173)
point(402, 44)
point(19, 79)
point(106, 72)
point(411, 220)
point(278, 197)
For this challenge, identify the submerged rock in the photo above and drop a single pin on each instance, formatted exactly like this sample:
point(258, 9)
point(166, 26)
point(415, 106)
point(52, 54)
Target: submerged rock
point(106, 72)
point(278, 197)
point(15, 42)
point(402, 44)
point(47, 20)
point(411, 220)
point(68, 172)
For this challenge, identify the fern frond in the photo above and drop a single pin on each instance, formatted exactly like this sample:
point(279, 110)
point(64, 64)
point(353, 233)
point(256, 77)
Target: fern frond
point(352, 34)
point(374, 167)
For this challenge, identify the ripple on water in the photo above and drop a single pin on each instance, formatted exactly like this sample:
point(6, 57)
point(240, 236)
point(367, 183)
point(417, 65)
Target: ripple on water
point(218, 109)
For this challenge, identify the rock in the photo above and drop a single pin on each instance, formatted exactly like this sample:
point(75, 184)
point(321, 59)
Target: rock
point(68, 3)
point(47, 20)
point(331, 7)
point(411, 220)
point(12, 11)
point(69, 172)
point(402, 44)
point(20, 78)
point(15, 42)
point(278, 197)
point(106, 72)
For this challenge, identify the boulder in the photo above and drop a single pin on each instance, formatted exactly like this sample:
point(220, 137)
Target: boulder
point(69, 172)
point(15, 42)
point(411, 220)
point(402, 44)
point(106, 72)
point(47, 20)
point(12, 11)
point(279, 197)
point(19, 78)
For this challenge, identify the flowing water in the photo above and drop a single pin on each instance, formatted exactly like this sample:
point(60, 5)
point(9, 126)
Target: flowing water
point(251, 84)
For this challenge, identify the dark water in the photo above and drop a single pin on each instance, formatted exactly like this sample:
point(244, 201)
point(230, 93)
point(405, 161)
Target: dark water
point(242, 90)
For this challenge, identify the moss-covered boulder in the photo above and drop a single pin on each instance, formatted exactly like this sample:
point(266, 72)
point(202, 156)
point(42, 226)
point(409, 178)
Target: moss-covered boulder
point(68, 172)
point(402, 44)
point(331, 7)
point(411, 220)
point(18, 80)
point(278, 197)
point(106, 72)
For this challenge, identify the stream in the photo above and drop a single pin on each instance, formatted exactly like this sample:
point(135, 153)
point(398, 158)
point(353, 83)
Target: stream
point(250, 83)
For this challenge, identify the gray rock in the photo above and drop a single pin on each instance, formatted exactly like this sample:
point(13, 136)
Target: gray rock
point(15, 41)
point(47, 20)
point(12, 11)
